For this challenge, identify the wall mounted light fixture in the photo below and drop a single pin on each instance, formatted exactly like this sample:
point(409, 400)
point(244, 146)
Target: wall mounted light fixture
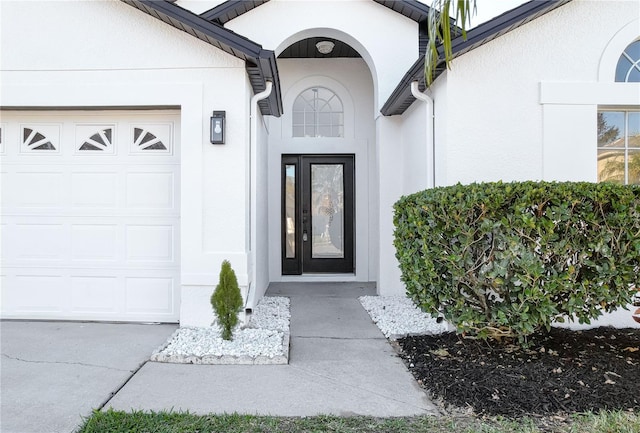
point(217, 127)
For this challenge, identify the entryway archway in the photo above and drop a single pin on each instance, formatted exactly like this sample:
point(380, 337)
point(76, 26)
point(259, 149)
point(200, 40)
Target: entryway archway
point(327, 132)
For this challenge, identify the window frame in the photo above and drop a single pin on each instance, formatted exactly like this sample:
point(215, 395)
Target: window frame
point(312, 114)
point(625, 135)
point(634, 63)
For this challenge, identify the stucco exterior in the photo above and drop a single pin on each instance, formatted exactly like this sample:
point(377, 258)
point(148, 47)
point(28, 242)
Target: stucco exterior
point(387, 53)
point(521, 106)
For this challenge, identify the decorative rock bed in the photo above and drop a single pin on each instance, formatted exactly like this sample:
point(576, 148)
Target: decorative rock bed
point(398, 317)
point(265, 340)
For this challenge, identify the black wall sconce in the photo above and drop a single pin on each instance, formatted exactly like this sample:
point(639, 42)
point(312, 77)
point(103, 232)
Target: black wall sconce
point(217, 127)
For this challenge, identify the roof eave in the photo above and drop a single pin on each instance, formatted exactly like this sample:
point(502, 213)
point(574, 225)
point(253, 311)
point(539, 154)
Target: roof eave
point(401, 98)
point(228, 10)
point(238, 46)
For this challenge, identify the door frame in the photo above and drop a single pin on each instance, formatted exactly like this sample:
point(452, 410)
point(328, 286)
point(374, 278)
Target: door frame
point(354, 90)
point(303, 261)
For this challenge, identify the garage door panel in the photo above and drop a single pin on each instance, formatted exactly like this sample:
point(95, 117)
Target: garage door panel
point(91, 189)
point(150, 243)
point(150, 190)
point(94, 294)
point(38, 242)
point(90, 242)
point(90, 215)
point(36, 189)
point(38, 293)
point(150, 295)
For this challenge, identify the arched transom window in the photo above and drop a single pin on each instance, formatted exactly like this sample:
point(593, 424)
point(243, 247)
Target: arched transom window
point(628, 68)
point(318, 112)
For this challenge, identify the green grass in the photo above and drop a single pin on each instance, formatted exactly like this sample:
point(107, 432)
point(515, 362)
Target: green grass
point(181, 422)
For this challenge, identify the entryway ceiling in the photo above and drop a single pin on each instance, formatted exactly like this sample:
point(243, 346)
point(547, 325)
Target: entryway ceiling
point(306, 48)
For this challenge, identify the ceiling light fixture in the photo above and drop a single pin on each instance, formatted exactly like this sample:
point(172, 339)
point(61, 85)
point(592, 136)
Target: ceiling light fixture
point(325, 47)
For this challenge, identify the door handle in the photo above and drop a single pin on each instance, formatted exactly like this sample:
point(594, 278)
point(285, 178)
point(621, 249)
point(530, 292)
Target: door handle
point(305, 238)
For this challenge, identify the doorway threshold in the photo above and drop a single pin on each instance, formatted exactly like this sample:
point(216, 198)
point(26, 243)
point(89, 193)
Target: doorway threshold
point(321, 278)
point(339, 289)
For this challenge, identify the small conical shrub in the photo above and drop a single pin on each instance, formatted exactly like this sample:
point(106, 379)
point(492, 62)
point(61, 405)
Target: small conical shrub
point(227, 300)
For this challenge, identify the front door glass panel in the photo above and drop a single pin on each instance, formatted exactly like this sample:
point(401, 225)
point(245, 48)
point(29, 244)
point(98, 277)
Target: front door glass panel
point(327, 195)
point(290, 210)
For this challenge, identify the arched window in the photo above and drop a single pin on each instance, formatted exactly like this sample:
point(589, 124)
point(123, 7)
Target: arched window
point(318, 112)
point(619, 129)
point(628, 68)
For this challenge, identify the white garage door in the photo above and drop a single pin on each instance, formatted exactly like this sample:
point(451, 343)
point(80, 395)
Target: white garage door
point(90, 215)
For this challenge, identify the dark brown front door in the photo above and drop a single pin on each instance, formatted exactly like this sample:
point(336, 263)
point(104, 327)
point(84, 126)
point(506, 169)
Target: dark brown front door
point(317, 214)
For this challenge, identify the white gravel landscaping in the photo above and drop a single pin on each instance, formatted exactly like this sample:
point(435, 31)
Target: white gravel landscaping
point(397, 317)
point(265, 340)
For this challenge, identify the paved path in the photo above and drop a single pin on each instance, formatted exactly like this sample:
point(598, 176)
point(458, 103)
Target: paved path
point(55, 373)
point(339, 363)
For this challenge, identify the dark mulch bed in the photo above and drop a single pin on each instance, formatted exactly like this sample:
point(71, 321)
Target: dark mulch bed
point(561, 372)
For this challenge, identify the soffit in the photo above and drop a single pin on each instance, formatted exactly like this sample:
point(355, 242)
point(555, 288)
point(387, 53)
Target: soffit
point(306, 48)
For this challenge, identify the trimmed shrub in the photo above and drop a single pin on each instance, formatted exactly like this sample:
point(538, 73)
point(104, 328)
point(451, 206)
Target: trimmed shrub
point(508, 259)
point(227, 300)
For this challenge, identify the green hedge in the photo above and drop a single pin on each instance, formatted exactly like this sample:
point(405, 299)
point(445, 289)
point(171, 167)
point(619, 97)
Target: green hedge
point(507, 259)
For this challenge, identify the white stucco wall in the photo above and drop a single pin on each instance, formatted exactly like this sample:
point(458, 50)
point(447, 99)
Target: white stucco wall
point(108, 54)
point(404, 169)
point(497, 126)
point(387, 41)
point(263, 222)
point(390, 171)
point(416, 169)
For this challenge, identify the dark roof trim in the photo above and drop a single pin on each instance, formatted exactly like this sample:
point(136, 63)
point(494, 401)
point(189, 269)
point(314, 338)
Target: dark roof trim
point(411, 9)
point(260, 64)
point(401, 98)
point(225, 12)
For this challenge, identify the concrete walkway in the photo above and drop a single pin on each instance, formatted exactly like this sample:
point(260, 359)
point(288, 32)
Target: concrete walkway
point(54, 373)
point(339, 363)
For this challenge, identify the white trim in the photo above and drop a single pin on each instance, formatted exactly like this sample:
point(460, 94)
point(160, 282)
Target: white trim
point(615, 47)
point(589, 93)
point(317, 81)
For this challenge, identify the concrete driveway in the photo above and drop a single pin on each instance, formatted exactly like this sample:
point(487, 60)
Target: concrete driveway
point(55, 373)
